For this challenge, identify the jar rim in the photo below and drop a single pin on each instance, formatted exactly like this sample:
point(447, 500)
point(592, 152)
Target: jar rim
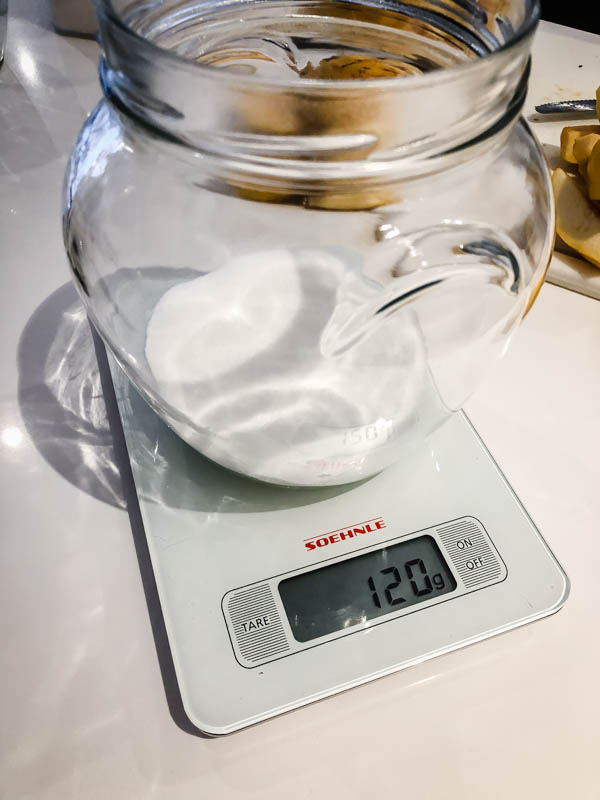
point(107, 12)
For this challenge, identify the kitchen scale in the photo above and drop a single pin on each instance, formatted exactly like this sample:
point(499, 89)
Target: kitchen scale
point(274, 598)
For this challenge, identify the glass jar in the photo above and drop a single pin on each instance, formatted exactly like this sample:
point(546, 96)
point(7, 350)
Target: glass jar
point(304, 229)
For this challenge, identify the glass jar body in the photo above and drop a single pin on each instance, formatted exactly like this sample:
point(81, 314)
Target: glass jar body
point(301, 337)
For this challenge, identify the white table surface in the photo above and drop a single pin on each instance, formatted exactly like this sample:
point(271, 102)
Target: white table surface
point(84, 713)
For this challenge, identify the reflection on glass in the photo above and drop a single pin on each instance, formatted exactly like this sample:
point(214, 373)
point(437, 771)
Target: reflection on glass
point(28, 65)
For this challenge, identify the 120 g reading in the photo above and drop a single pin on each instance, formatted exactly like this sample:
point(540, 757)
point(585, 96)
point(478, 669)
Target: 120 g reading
point(352, 592)
point(421, 583)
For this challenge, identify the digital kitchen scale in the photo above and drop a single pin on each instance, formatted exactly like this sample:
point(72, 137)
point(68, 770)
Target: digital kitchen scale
point(273, 598)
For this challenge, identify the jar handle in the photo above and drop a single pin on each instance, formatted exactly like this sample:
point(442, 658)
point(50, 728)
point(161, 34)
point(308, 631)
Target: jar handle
point(491, 255)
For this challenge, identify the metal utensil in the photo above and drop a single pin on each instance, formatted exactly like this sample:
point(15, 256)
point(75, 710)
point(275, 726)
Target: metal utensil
point(567, 107)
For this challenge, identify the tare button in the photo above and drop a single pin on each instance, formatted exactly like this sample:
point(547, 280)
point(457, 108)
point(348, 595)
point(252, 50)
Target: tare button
point(471, 551)
point(254, 623)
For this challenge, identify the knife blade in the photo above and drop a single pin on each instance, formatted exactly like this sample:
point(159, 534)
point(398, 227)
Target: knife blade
point(567, 107)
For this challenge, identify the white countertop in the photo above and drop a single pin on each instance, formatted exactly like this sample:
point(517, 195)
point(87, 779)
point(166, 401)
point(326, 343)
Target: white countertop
point(84, 713)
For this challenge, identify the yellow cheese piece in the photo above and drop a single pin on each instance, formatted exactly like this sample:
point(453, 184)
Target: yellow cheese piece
point(577, 219)
point(582, 147)
point(569, 136)
point(593, 172)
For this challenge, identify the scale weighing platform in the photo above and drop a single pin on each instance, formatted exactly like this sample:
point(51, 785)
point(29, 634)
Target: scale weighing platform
point(273, 598)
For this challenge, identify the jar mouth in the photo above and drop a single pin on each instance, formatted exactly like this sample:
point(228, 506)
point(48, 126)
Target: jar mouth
point(446, 89)
point(480, 44)
point(251, 163)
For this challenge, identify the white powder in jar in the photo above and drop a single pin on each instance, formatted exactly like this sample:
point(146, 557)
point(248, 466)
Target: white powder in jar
point(238, 353)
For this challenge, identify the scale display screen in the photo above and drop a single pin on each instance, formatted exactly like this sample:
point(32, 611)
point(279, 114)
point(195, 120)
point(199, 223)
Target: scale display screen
point(366, 587)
